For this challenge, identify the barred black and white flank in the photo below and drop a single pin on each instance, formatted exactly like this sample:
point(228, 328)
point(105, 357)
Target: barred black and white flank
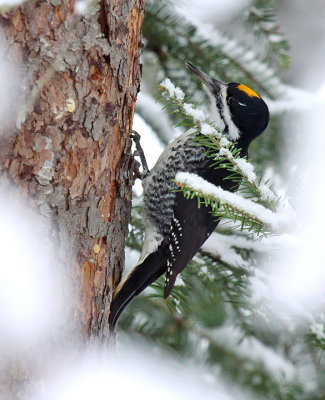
point(175, 227)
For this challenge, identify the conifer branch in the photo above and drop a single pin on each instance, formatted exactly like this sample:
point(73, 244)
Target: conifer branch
point(170, 37)
point(262, 19)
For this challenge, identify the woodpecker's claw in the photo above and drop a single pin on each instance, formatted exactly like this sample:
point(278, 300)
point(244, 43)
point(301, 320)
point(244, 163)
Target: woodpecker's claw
point(139, 152)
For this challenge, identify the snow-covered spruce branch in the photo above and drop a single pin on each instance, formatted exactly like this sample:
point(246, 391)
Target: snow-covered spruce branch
point(234, 59)
point(217, 145)
point(261, 17)
point(317, 333)
point(230, 205)
point(246, 60)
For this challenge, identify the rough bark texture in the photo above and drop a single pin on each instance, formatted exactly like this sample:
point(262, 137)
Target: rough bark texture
point(69, 145)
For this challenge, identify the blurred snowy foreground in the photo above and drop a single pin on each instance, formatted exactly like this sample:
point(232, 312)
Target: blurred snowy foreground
point(28, 303)
point(30, 323)
point(134, 374)
point(30, 318)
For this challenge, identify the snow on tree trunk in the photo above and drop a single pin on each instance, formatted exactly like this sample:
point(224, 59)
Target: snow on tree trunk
point(69, 147)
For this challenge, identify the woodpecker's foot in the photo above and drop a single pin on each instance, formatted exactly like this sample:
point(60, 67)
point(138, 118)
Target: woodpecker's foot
point(139, 152)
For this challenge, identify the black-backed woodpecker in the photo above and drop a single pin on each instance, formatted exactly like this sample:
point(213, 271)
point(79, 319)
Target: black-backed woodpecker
point(175, 228)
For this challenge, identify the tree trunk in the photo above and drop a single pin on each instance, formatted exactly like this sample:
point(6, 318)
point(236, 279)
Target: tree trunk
point(68, 144)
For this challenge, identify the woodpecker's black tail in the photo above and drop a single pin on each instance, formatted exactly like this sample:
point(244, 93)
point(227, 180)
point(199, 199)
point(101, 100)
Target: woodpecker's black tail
point(143, 275)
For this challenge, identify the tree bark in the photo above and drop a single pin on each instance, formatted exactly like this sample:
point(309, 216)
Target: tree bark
point(68, 144)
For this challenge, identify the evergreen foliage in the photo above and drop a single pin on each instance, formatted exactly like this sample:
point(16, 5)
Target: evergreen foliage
point(262, 19)
point(174, 39)
point(212, 316)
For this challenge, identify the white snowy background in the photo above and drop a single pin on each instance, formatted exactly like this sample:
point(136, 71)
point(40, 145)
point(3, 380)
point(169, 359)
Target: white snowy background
point(294, 282)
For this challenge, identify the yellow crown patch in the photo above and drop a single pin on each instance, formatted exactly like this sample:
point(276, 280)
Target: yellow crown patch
point(247, 90)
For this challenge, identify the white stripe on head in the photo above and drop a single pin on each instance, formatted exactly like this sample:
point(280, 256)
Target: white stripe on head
point(222, 120)
point(233, 131)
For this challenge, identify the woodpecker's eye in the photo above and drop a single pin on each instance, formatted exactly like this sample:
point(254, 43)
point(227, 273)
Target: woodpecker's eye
point(232, 102)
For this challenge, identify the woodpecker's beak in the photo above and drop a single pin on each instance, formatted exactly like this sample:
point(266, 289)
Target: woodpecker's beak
point(213, 84)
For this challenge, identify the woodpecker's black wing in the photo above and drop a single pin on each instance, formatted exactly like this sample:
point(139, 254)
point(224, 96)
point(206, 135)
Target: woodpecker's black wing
point(191, 226)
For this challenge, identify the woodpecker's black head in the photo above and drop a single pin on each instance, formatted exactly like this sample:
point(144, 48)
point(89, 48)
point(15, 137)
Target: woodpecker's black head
point(242, 111)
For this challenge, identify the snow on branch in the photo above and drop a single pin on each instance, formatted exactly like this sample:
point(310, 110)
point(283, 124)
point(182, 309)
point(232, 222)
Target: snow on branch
point(249, 62)
point(261, 17)
point(227, 204)
point(188, 39)
point(173, 90)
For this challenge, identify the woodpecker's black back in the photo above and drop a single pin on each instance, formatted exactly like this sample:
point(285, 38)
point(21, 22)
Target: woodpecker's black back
point(175, 226)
